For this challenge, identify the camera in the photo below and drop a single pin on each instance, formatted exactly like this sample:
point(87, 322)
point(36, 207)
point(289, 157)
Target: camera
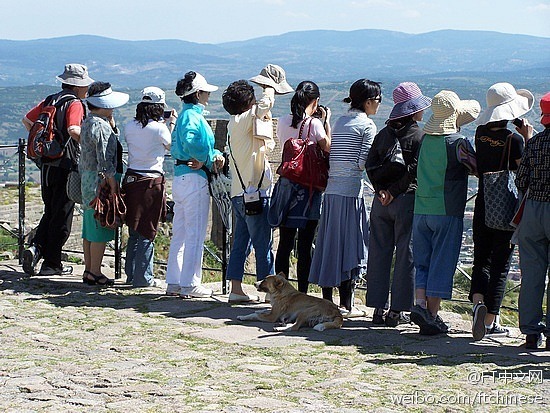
point(518, 122)
point(167, 114)
point(319, 113)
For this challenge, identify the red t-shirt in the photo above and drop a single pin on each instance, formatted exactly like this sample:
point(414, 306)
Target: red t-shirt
point(73, 116)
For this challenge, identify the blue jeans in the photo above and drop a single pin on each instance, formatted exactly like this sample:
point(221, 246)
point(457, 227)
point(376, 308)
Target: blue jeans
point(139, 260)
point(436, 248)
point(255, 229)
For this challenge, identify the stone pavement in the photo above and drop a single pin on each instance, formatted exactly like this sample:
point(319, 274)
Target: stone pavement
point(71, 347)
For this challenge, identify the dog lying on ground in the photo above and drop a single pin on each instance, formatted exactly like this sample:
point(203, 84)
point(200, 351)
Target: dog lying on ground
point(294, 309)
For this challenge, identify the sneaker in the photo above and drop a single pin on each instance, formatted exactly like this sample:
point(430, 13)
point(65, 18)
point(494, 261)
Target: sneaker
point(478, 322)
point(427, 323)
point(534, 341)
point(198, 291)
point(497, 330)
point(443, 326)
point(63, 270)
point(30, 258)
point(378, 316)
point(353, 313)
point(394, 318)
point(173, 290)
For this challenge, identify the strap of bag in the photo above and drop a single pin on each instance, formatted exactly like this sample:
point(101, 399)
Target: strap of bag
point(506, 150)
point(237, 169)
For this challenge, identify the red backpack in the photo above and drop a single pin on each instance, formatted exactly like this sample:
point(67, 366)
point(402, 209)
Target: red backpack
point(45, 139)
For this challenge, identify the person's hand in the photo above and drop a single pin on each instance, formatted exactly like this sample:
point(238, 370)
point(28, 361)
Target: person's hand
point(112, 122)
point(385, 197)
point(325, 115)
point(219, 162)
point(526, 130)
point(194, 164)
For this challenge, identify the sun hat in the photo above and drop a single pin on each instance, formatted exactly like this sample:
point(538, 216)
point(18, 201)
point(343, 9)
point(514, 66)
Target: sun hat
point(108, 99)
point(545, 107)
point(446, 107)
point(200, 84)
point(408, 100)
point(273, 76)
point(152, 94)
point(504, 102)
point(75, 75)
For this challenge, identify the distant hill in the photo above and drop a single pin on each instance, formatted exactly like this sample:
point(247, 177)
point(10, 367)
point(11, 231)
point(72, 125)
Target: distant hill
point(321, 55)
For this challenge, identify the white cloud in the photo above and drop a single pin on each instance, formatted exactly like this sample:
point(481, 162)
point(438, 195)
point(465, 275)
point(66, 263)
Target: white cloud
point(540, 7)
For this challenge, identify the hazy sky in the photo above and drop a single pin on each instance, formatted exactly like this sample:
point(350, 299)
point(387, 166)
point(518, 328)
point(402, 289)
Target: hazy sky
point(216, 21)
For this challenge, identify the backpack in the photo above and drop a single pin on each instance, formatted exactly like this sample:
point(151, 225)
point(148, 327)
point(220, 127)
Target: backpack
point(46, 140)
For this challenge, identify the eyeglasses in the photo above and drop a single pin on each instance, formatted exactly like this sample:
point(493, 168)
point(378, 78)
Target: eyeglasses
point(377, 99)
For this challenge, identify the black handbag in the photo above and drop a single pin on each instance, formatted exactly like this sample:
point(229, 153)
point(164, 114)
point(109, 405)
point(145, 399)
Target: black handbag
point(390, 169)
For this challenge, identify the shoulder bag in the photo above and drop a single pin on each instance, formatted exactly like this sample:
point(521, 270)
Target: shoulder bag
point(500, 193)
point(304, 162)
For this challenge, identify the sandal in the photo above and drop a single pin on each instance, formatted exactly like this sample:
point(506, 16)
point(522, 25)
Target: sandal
point(97, 279)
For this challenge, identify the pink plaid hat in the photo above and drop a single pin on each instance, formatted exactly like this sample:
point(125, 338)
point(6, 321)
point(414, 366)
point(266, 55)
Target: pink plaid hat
point(408, 100)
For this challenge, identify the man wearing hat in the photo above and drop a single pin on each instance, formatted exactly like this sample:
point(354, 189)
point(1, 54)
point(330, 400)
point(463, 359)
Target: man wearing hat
point(439, 205)
point(391, 213)
point(534, 233)
point(55, 225)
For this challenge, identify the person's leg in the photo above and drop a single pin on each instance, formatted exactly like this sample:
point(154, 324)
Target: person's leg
point(284, 249)
point(534, 250)
point(143, 263)
point(327, 293)
point(61, 218)
point(87, 254)
point(305, 242)
point(501, 257)
point(346, 294)
point(381, 246)
point(197, 206)
point(402, 289)
point(177, 242)
point(483, 240)
point(261, 236)
point(422, 251)
point(239, 247)
point(131, 249)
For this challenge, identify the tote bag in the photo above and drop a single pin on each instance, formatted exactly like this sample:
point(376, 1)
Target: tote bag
point(500, 194)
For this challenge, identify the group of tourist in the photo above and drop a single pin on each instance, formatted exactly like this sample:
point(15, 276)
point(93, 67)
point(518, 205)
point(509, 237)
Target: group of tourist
point(419, 175)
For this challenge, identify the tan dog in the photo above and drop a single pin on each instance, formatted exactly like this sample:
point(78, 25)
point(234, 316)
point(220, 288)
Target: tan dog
point(291, 306)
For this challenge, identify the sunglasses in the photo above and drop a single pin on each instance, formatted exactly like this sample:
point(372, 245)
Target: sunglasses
point(377, 99)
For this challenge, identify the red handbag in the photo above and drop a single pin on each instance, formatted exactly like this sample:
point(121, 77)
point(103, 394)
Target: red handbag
point(304, 162)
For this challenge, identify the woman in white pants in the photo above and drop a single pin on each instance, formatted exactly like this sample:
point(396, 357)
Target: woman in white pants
point(194, 154)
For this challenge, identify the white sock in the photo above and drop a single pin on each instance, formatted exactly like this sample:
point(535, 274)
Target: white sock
point(421, 302)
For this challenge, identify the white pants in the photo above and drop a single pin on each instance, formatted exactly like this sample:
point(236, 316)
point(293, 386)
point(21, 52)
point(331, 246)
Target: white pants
point(192, 204)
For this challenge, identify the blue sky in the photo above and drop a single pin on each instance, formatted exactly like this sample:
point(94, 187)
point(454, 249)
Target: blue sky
point(216, 21)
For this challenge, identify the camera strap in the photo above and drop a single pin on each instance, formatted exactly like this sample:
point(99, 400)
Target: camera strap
point(237, 169)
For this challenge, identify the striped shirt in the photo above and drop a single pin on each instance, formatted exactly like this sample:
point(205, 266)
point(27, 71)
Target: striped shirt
point(352, 137)
point(534, 170)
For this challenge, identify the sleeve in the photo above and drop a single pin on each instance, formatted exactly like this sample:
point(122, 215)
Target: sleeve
point(368, 137)
point(266, 102)
point(466, 155)
point(409, 177)
point(524, 170)
point(516, 150)
point(164, 134)
point(106, 147)
point(32, 114)
point(74, 114)
point(193, 141)
point(317, 132)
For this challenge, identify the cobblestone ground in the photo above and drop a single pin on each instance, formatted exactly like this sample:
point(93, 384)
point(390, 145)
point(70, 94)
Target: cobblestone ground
point(67, 347)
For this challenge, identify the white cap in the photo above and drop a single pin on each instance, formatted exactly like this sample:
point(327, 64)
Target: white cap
point(200, 83)
point(152, 94)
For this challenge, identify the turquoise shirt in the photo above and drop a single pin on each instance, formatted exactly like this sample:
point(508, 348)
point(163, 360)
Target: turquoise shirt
point(193, 138)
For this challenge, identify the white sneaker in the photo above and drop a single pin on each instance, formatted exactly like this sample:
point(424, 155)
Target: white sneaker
point(478, 322)
point(353, 313)
point(198, 291)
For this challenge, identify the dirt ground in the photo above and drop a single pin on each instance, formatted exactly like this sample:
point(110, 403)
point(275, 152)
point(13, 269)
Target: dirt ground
point(69, 347)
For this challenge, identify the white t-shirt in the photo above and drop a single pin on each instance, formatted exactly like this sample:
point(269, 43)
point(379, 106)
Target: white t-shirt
point(146, 145)
point(285, 131)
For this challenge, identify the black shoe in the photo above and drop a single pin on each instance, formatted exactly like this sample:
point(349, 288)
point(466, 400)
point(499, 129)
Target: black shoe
point(31, 256)
point(547, 343)
point(534, 341)
point(478, 323)
point(378, 316)
point(429, 325)
point(394, 318)
point(63, 270)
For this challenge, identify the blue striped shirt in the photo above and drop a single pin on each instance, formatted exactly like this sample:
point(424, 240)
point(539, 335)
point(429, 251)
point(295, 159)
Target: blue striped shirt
point(352, 137)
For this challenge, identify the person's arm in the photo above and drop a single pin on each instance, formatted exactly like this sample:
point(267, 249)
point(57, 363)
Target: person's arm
point(73, 119)
point(368, 137)
point(266, 102)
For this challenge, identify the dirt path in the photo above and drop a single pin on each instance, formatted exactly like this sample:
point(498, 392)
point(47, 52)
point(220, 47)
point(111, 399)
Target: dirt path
point(67, 347)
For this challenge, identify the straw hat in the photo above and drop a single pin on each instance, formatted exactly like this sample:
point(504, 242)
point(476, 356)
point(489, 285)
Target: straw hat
point(446, 108)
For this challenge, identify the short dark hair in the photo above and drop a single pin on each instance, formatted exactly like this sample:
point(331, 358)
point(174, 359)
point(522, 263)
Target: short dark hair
point(238, 97)
point(362, 90)
point(306, 92)
point(185, 85)
point(148, 111)
point(94, 89)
